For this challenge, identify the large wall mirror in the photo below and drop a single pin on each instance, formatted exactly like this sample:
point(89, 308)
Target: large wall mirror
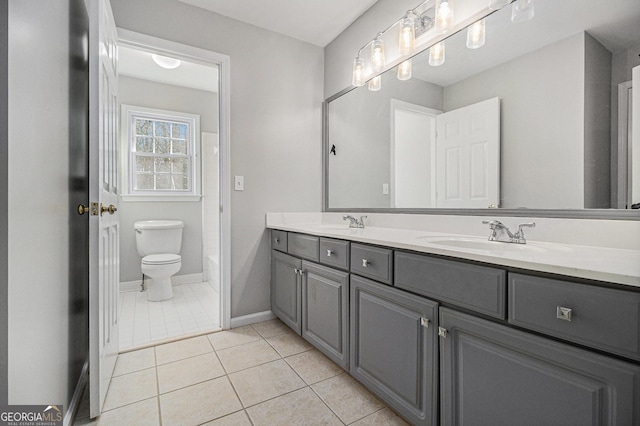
point(539, 117)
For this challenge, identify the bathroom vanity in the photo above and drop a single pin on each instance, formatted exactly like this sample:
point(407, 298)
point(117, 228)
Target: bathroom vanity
point(449, 330)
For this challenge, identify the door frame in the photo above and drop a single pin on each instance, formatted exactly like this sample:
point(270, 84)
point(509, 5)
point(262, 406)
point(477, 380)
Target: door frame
point(223, 62)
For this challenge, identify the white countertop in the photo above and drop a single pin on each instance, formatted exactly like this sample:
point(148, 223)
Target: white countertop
point(616, 265)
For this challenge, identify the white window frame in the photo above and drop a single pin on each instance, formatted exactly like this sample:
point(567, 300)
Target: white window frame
point(128, 115)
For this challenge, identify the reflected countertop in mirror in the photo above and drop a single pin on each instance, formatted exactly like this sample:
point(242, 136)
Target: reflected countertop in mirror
point(536, 118)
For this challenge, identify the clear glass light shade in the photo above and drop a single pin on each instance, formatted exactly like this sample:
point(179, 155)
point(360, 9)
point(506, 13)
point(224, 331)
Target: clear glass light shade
point(475, 35)
point(407, 36)
point(404, 70)
point(375, 83)
point(444, 16)
point(522, 11)
point(436, 54)
point(358, 72)
point(498, 4)
point(377, 54)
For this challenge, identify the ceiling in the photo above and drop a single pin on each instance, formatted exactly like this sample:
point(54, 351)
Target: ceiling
point(314, 21)
point(137, 63)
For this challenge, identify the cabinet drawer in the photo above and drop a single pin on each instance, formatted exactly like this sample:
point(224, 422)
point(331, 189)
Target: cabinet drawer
point(372, 262)
point(602, 318)
point(279, 240)
point(479, 288)
point(334, 253)
point(304, 246)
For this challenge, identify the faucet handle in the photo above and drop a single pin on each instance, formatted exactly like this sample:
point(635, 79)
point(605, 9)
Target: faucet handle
point(492, 223)
point(519, 236)
point(362, 218)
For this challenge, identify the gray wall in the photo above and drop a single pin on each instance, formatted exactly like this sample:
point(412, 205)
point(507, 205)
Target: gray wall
point(525, 88)
point(4, 186)
point(597, 125)
point(42, 120)
point(276, 126)
point(360, 127)
point(137, 92)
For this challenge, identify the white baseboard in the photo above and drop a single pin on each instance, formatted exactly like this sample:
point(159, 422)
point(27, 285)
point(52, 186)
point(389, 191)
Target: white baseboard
point(252, 318)
point(175, 280)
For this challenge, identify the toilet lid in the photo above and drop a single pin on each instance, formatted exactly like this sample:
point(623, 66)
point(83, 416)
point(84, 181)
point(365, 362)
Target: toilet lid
point(161, 259)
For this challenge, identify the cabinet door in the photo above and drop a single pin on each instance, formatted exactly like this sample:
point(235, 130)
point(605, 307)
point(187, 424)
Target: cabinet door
point(325, 311)
point(495, 375)
point(393, 348)
point(285, 288)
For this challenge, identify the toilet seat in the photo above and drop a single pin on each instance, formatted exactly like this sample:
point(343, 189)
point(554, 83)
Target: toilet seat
point(161, 259)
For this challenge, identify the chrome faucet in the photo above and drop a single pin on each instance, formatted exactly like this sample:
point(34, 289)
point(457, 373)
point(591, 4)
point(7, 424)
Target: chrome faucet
point(499, 232)
point(353, 222)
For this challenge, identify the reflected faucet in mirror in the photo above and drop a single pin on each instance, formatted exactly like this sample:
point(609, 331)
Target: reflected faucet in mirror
point(500, 232)
point(353, 222)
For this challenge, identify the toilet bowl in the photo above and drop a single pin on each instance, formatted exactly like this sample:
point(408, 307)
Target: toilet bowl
point(159, 242)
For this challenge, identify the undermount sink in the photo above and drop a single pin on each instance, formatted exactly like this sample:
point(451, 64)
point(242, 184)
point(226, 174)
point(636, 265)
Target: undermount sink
point(481, 244)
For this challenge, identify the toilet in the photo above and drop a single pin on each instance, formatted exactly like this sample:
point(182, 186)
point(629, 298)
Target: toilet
point(159, 242)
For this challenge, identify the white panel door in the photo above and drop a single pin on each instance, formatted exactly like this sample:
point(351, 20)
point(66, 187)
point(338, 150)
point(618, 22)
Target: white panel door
point(103, 192)
point(634, 148)
point(468, 156)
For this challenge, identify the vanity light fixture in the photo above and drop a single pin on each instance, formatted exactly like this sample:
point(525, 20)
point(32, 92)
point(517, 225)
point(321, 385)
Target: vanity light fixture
point(404, 70)
point(166, 62)
point(375, 83)
point(444, 16)
point(436, 54)
point(358, 72)
point(522, 10)
point(407, 39)
point(476, 35)
point(377, 53)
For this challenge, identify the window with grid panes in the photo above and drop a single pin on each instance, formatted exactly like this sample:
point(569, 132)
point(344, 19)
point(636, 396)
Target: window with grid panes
point(162, 152)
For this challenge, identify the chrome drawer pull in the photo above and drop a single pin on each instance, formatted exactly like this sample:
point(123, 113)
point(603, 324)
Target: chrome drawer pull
point(424, 322)
point(563, 313)
point(329, 253)
point(365, 263)
point(277, 240)
point(442, 332)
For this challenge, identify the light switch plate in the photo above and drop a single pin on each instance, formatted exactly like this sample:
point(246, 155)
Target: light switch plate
point(238, 183)
point(385, 189)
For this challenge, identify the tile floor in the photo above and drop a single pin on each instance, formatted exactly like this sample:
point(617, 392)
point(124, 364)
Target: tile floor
point(261, 374)
point(194, 308)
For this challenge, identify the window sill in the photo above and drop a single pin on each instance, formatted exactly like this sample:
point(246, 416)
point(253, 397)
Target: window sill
point(161, 198)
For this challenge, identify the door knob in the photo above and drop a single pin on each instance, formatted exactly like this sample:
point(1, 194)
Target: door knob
point(92, 209)
point(82, 209)
point(111, 209)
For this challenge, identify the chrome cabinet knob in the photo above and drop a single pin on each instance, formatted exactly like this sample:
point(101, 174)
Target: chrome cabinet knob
point(329, 253)
point(563, 313)
point(365, 263)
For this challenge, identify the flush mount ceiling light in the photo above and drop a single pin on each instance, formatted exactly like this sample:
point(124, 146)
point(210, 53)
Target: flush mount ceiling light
point(166, 62)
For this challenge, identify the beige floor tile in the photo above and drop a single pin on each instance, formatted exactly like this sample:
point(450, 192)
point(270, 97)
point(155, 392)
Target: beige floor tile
point(384, 417)
point(248, 355)
point(190, 371)
point(270, 328)
point(266, 381)
point(313, 366)
point(302, 407)
point(130, 388)
point(134, 361)
point(236, 419)
point(143, 413)
point(199, 403)
point(182, 349)
point(347, 398)
point(289, 344)
point(235, 337)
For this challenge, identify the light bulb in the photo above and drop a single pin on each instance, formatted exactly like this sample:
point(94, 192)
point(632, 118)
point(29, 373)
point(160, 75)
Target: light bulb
point(407, 35)
point(377, 54)
point(475, 35)
point(166, 62)
point(375, 83)
point(522, 11)
point(358, 72)
point(444, 16)
point(404, 70)
point(436, 54)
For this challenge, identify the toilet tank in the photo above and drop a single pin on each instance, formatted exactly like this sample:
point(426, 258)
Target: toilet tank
point(158, 236)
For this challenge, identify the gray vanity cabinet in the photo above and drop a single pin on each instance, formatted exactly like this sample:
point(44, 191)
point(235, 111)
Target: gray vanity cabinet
point(393, 348)
point(286, 281)
point(495, 375)
point(325, 311)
